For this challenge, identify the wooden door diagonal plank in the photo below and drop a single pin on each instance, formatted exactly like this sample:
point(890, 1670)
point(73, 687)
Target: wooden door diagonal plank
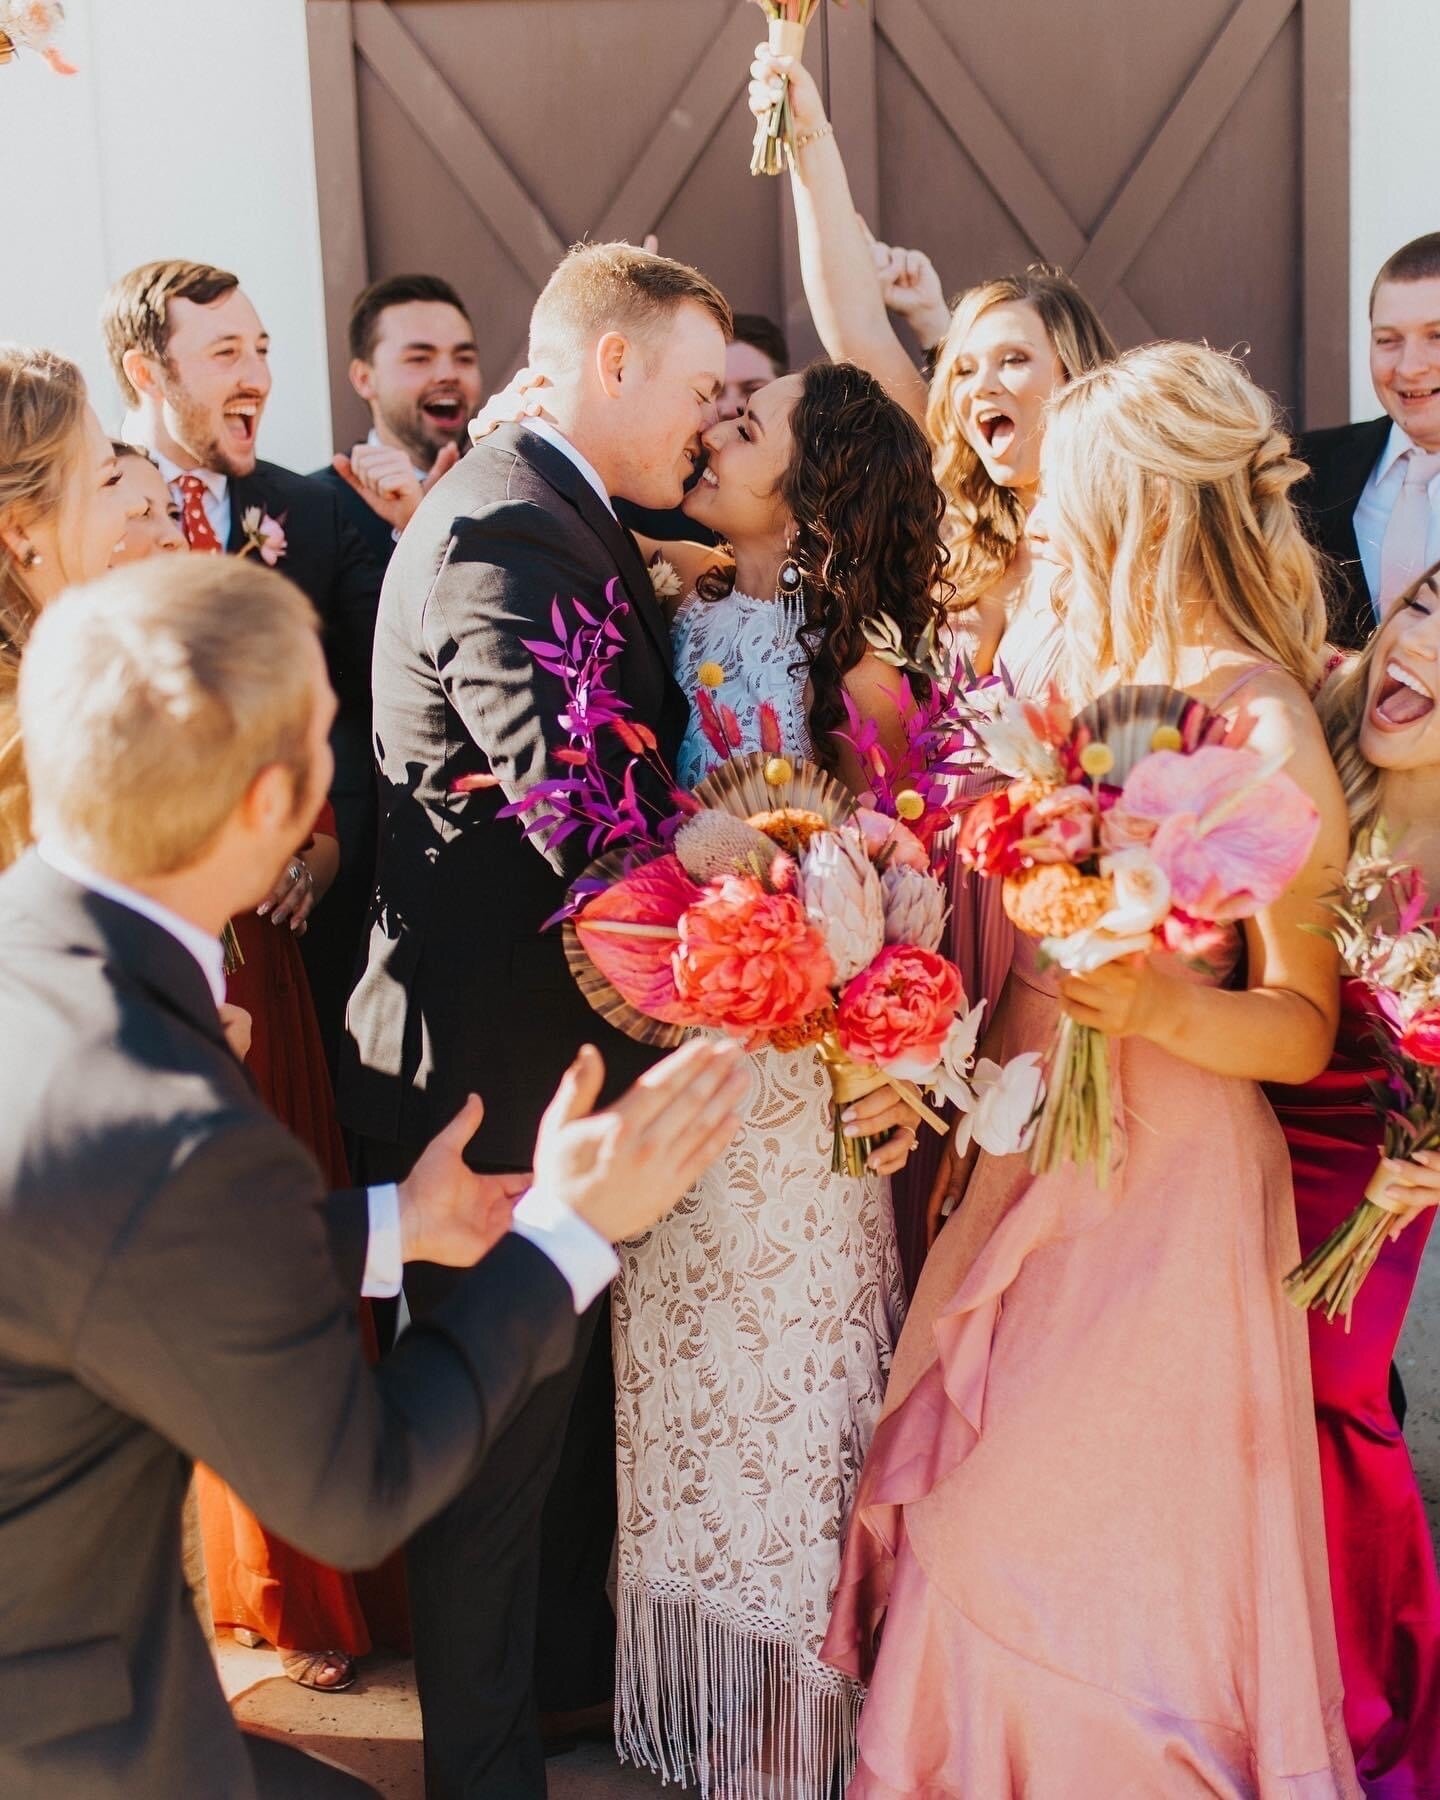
point(1208, 100)
point(708, 95)
point(447, 126)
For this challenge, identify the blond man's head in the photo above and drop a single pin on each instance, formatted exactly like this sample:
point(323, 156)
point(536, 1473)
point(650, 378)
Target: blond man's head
point(152, 700)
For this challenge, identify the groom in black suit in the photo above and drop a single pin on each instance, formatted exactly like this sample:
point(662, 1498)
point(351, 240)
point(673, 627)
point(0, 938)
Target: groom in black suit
point(466, 720)
point(1353, 503)
point(174, 1281)
point(191, 358)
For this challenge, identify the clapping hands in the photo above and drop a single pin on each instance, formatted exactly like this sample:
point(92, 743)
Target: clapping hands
point(385, 480)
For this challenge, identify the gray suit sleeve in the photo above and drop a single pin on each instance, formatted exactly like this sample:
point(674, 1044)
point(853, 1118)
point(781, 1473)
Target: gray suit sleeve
point(505, 570)
point(219, 1318)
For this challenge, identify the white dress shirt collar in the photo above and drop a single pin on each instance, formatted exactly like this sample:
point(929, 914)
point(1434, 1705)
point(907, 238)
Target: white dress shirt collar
point(208, 951)
point(541, 428)
point(216, 484)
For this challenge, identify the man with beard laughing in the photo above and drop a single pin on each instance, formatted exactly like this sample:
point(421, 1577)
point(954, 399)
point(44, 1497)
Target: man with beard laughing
point(414, 363)
point(191, 357)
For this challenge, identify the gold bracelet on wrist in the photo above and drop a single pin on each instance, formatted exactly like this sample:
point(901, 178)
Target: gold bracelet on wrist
point(812, 137)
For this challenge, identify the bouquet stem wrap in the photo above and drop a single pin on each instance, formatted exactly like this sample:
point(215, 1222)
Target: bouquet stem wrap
point(1331, 1276)
point(1075, 1122)
point(787, 38)
point(849, 1081)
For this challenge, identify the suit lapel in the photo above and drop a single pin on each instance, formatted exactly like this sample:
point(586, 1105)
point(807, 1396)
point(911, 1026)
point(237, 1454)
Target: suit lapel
point(1348, 473)
point(620, 547)
point(244, 491)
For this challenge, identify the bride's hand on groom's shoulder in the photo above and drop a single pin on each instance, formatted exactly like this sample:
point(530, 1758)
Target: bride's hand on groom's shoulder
point(523, 399)
point(623, 1169)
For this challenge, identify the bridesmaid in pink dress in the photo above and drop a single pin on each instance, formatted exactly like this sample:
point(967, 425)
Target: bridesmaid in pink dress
point(1091, 1517)
point(1382, 1562)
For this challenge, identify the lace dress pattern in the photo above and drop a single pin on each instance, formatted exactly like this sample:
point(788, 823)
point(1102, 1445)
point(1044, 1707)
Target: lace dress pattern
point(753, 1334)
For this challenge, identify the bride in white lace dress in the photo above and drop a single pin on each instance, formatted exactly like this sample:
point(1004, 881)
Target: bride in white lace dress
point(753, 1328)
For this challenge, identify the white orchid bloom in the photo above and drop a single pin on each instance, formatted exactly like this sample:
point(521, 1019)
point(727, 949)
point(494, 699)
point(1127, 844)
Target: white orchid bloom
point(1142, 892)
point(947, 1080)
point(1084, 951)
point(1004, 1103)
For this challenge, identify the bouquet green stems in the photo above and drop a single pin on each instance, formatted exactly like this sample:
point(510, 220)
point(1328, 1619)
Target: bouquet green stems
point(1075, 1120)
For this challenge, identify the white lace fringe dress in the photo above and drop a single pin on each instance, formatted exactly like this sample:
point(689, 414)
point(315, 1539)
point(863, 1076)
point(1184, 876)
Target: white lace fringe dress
point(753, 1333)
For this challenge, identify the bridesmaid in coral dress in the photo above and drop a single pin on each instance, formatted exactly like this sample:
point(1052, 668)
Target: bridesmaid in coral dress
point(1091, 1518)
point(1385, 736)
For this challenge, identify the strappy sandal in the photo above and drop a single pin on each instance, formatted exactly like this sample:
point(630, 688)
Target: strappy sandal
point(305, 1667)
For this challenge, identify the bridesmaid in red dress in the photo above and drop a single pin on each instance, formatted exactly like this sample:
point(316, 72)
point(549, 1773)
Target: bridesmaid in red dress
point(1384, 730)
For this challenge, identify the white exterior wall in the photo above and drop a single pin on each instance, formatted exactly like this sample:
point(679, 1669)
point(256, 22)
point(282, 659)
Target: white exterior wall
point(186, 133)
point(1394, 156)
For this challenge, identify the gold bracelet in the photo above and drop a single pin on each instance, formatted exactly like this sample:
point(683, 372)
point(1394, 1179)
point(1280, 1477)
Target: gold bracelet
point(812, 137)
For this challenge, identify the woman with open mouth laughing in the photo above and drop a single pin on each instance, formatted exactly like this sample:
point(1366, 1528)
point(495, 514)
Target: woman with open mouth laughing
point(1384, 730)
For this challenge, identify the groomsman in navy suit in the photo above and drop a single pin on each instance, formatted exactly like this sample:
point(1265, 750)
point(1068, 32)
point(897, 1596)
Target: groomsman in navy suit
point(414, 363)
point(1372, 502)
point(191, 357)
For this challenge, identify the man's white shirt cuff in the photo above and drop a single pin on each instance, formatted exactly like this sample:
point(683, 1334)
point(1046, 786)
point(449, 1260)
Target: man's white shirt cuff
point(384, 1255)
point(578, 1251)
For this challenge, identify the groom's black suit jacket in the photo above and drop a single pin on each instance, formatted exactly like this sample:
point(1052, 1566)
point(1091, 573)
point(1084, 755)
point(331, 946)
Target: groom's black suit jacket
point(174, 1283)
point(463, 989)
point(1341, 459)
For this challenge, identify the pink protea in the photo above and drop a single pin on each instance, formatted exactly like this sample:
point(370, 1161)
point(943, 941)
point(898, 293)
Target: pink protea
point(748, 961)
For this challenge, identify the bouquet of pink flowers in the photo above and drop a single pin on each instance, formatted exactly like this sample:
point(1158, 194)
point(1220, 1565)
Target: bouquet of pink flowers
point(1134, 826)
point(1389, 941)
point(765, 904)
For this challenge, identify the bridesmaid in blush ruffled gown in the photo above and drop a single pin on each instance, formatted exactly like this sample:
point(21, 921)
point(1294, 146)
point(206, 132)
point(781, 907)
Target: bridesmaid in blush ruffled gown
point(1385, 735)
point(1091, 1518)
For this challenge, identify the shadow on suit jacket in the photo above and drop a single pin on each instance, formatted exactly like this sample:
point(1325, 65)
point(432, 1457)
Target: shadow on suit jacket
point(327, 557)
point(175, 1284)
point(462, 989)
point(1341, 459)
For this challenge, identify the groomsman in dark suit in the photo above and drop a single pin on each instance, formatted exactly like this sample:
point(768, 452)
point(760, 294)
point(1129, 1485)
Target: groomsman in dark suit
point(174, 1281)
point(466, 720)
point(191, 357)
point(1372, 502)
point(414, 362)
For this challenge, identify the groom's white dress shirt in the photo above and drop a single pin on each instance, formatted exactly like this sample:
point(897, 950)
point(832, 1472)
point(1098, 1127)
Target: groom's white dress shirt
point(587, 1262)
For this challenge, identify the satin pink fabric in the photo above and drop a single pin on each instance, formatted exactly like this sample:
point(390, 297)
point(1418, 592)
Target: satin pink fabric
point(1382, 1563)
point(1093, 1505)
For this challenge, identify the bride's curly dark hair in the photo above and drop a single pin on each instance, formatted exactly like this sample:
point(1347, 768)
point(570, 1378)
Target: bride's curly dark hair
point(867, 535)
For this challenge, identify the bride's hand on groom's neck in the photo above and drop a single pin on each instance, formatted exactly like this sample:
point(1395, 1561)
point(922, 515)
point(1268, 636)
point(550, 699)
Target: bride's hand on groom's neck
point(523, 399)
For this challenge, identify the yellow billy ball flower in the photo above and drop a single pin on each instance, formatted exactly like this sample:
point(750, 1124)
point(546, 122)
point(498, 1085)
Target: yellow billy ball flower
point(1165, 737)
point(711, 675)
point(909, 805)
point(1097, 759)
point(778, 771)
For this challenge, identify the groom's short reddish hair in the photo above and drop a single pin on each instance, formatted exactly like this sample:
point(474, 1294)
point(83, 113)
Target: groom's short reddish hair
point(615, 287)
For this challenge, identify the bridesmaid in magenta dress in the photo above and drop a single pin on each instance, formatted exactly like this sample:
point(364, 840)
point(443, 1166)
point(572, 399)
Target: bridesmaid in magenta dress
point(1087, 1557)
point(1382, 1563)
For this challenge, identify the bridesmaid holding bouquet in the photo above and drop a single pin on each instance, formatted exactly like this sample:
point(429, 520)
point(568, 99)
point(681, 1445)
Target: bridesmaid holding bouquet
point(1384, 730)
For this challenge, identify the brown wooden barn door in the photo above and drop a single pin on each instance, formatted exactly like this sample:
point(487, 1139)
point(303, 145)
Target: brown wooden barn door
point(1188, 164)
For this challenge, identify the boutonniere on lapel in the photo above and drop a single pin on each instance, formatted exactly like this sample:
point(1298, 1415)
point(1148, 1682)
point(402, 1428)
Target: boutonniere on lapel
point(264, 535)
point(665, 578)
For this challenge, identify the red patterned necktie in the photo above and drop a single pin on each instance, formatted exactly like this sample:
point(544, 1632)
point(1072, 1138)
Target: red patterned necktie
point(195, 522)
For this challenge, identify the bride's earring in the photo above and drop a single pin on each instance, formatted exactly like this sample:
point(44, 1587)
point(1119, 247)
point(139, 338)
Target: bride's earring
point(789, 581)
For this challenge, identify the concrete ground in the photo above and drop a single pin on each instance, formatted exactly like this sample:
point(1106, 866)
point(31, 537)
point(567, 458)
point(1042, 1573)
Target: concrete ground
point(375, 1728)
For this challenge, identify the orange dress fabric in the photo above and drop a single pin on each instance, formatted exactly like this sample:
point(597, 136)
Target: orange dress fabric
point(258, 1582)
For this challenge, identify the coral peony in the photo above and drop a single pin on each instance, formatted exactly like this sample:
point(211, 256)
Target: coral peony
point(901, 1008)
point(991, 830)
point(1060, 826)
point(1420, 1040)
point(750, 962)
